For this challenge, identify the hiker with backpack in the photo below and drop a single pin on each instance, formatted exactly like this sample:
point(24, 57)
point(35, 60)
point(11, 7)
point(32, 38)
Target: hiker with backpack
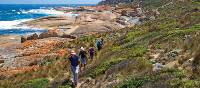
point(99, 44)
point(91, 52)
point(83, 57)
point(74, 60)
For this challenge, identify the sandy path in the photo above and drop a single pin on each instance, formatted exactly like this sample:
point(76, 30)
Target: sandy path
point(69, 31)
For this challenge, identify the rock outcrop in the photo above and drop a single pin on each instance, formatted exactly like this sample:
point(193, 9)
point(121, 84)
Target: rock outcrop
point(68, 36)
point(23, 39)
point(50, 33)
point(1, 59)
point(32, 52)
point(32, 37)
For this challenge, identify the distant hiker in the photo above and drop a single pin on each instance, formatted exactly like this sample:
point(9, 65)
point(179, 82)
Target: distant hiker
point(91, 51)
point(99, 44)
point(83, 56)
point(74, 66)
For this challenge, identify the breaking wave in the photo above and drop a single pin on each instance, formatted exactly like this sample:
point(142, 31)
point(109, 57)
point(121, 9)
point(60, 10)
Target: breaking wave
point(43, 11)
point(15, 24)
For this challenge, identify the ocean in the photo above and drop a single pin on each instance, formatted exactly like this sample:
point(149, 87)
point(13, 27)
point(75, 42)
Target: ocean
point(12, 15)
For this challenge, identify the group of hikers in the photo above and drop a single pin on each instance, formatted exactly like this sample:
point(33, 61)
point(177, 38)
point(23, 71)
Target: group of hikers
point(80, 59)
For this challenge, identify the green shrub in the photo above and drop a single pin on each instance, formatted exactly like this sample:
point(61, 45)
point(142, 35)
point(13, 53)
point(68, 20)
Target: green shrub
point(135, 82)
point(86, 38)
point(137, 51)
point(132, 35)
point(100, 69)
point(177, 83)
point(66, 86)
point(36, 83)
point(175, 72)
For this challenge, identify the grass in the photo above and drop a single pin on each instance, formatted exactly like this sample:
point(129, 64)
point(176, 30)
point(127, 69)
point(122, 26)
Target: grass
point(134, 82)
point(172, 78)
point(35, 83)
point(174, 22)
point(100, 69)
point(165, 29)
point(55, 69)
point(68, 86)
point(177, 83)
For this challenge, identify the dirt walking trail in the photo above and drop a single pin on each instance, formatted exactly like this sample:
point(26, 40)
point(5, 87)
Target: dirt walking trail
point(69, 31)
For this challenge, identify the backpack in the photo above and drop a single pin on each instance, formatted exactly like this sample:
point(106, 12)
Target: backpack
point(98, 43)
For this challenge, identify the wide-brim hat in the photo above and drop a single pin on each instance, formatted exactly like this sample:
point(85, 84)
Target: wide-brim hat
point(82, 48)
point(73, 52)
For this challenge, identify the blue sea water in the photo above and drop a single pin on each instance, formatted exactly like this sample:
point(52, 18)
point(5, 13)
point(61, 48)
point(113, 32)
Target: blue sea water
point(11, 15)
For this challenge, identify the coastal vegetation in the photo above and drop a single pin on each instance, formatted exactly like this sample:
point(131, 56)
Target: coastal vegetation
point(130, 54)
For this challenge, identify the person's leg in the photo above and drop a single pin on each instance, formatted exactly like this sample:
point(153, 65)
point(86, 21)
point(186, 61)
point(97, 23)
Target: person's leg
point(81, 65)
point(84, 63)
point(76, 75)
point(91, 56)
point(98, 47)
point(75, 79)
point(73, 73)
point(84, 66)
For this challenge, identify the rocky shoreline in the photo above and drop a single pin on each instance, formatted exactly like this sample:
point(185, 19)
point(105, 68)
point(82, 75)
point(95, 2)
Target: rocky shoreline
point(27, 51)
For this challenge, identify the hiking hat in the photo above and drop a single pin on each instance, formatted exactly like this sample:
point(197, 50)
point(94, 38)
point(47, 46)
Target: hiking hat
point(82, 48)
point(73, 52)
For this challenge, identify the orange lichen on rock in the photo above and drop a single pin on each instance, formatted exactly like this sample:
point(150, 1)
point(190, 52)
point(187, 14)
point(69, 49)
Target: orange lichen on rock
point(14, 71)
point(62, 52)
point(28, 43)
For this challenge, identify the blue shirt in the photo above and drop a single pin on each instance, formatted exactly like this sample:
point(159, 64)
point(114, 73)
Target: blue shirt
point(74, 60)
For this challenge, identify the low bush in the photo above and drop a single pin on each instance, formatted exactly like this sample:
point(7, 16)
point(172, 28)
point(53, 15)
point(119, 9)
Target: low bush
point(135, 82)
point(35, 83)
point(100, 69)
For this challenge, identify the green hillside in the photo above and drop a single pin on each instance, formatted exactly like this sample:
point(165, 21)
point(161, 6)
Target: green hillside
point(114, 2)
point(127, 58)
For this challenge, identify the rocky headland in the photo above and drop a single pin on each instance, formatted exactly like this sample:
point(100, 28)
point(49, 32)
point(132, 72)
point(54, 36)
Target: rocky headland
point(147, 44)
point(18, 52)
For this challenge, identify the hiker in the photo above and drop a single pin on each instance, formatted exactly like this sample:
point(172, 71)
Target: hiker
point(91, 51)
point(83, 56)
point(74, 66)
point(99, 44)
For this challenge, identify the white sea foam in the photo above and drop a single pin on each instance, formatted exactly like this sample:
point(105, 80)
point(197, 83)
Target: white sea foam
point(18, 13)
point(70, 14)
point(13, 24)
point(43, 11)
point(49, 12)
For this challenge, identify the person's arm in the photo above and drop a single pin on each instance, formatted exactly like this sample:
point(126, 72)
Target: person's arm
point(70, 58)
point(78, 60)
point(93, 50)
point(79, 53)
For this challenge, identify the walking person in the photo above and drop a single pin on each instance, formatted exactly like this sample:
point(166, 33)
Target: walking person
point(74, 66)
point(83, 57)
point(91, 51)
point(99, 44)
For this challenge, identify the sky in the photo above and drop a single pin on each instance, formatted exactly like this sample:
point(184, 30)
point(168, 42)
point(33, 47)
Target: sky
point(49, 1)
